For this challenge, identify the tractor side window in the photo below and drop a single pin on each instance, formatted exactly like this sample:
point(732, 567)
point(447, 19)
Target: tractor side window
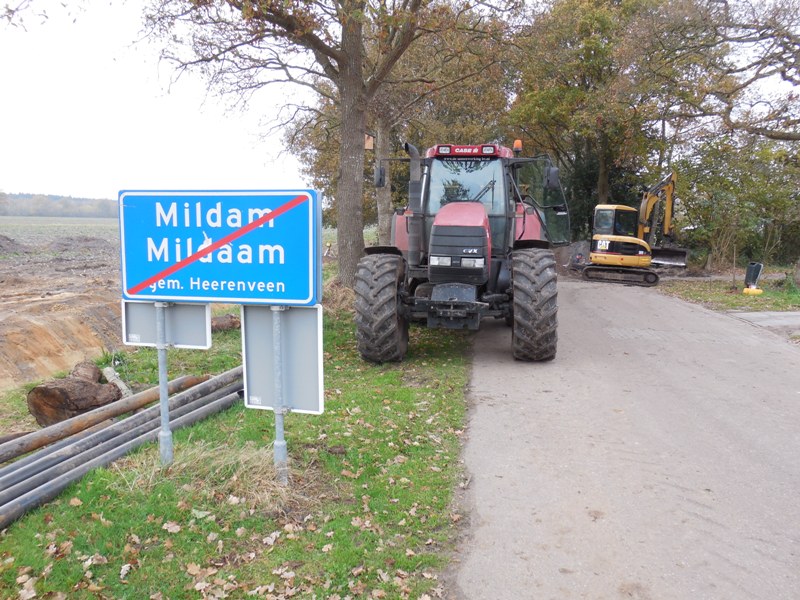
point(466, 180)
point(539, 185)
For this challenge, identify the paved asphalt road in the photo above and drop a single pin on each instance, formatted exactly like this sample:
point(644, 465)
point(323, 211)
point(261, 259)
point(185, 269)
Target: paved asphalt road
point(657, 457)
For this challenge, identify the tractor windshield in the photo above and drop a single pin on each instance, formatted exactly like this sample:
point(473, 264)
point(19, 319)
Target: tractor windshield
point(466, 180)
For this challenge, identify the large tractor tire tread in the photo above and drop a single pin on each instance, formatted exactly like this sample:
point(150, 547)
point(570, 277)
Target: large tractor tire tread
point(381, 328)
point(535, 312)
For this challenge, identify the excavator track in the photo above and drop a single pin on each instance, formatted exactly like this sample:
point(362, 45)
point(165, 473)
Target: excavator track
point(625, 275)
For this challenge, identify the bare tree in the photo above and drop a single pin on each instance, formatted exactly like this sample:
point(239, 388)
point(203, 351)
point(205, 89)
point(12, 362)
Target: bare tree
point(13, 12)
point(746, 59)
point(16, 12)
point(243, 45)
point(453, 68)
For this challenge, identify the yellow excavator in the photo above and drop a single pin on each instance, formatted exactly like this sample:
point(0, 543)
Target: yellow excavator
point(624, 239)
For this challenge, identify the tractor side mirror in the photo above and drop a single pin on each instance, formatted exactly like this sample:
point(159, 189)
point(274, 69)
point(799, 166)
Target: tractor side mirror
point(551, 180)
point(379, 176)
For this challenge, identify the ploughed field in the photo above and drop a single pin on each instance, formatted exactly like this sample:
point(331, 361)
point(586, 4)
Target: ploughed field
point(59, 294)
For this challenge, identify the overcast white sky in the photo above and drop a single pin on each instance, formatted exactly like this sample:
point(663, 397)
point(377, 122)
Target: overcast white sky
point(85, 112)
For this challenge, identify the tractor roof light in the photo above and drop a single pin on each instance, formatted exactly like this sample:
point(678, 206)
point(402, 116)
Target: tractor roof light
point(488, 150)
point(517, 147)
point(443, 150)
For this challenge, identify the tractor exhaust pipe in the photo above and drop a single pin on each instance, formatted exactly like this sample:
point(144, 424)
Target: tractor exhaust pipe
point(414, 205)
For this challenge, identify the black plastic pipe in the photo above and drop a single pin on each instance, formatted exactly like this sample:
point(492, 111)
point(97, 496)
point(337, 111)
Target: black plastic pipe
point(11, 511)
point(53, 464)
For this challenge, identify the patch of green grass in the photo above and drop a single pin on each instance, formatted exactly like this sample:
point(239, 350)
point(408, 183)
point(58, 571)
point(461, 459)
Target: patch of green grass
point(138, 366)
point(368, 512)
point(778, 294)
point(14, 415)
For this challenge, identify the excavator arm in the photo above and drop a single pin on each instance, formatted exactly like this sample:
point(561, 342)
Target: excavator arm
point(666, 254)
point(663, 190)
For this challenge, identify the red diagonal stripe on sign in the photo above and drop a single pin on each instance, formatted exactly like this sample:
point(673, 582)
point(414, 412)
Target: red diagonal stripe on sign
point(217, 245)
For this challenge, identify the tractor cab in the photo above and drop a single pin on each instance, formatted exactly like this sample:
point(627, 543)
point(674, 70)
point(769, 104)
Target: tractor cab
point(521, 197)
point(473, 174)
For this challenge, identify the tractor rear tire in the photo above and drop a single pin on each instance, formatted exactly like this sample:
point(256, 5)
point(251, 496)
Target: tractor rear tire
point(381, 326)
point(535, 313)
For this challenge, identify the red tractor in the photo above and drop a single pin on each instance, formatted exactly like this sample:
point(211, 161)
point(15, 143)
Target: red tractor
point(473, 242)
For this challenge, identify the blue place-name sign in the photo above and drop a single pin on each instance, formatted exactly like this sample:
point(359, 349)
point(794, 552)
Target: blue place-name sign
point(242, 247)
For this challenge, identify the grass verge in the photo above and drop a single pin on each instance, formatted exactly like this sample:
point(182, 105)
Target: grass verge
point(778, 294)
point(368, 513)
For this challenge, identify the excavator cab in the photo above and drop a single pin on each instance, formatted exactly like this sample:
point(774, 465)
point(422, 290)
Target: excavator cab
point(615, 220)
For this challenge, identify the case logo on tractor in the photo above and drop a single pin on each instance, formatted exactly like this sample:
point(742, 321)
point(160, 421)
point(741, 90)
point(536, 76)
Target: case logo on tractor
point(485, 150)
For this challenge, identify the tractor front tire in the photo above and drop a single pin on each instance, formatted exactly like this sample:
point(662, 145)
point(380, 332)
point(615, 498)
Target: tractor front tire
point(535, 313)
point(381, 326)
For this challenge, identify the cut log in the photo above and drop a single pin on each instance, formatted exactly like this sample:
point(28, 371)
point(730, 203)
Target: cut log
point(88, 371)
point(55, 401)
point(225, 322)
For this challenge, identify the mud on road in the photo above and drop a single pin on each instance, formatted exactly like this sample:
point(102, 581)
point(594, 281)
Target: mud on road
point(59, 294)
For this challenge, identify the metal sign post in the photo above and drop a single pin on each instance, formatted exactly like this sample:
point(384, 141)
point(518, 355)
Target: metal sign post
point(178, 325)
point(300, 349)
point(283, 374)
point(279, 450)
point(165, 435)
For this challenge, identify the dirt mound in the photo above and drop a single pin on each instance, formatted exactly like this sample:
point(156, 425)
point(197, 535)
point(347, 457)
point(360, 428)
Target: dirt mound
point(60, 303)
point(567, 256)
point(53, 336)
point(85, 243)
point(9, 245)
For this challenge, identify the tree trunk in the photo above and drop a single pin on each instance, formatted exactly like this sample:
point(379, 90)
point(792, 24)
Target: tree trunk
point(225, 322)
point(709, 264)
point(383, 195)
point(61, 399)
point(350, 187)
point(797, 273)
point(603, 186)
point(55, 401)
